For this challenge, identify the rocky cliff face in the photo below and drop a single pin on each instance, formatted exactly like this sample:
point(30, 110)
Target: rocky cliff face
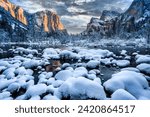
point(134, 22)
point(17, 22)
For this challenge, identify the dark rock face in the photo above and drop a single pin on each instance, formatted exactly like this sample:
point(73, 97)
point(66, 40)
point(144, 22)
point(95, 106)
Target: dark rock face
point(19, 25)
point(134, 22)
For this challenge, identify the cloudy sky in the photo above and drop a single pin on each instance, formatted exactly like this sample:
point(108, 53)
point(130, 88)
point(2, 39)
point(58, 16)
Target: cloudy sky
point(75, 14)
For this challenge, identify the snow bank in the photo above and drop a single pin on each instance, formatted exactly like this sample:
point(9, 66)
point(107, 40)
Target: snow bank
point(133, 82)
point(81, 88)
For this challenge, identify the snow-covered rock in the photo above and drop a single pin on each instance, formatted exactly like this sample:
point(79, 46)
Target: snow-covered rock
point(144, 67)
point(25, 51)
point(122, 94)
point(29, 64)
point(81, 88)
point(50, 97)
point(9, 73)
point(4, 83)
point(142, 59)
point(133, 82)
point(36, 90)
point(123, 63)
point(4, 63)
point(13, 87)
point(63, 75)
point(5, 94)
point(50, 53)
point(66, 54)
point(130, 69)
point(93, 64)
point(80, 71)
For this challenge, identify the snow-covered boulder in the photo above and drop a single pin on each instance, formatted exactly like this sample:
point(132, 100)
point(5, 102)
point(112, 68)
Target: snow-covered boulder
point(66, 54)
point(93, 64)
point(80, 71)
point(123, 63)
point(81, 88)
point(36, 90)
point(25, 51)
point(50, 97)
point(29, 64)
point(133, 82)
point(13, 87)
point(142, 59)
point(144, 68)
point(50, 53)
point(4, 83)
point(4, 63)
point(4, 95)
point(122, 94)
point(63, 75)
point(9, 73)
point(130, 69)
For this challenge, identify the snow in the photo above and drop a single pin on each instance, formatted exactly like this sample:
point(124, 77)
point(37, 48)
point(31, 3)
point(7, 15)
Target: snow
point(2, 68)
point(91, 76)
point(94, 54)
point(80, 71)
point(5, 83)
point(65, 65)
point(144, 68)
point(130, 69)
point(63, 75)
point(50, 97)
point(35, 98)
point(142, 59)
point(124, 52)
point(66, 54)
point(31, 63)
point(4, 63)
point(13, 87)
point(26, 51)
point(36, 90)
point(133, 82)
point(122, 94)
point(50, 53)
point(21, 71)
point(123, 63)
point(5, 94)
point(93, 64)
point(81, 88)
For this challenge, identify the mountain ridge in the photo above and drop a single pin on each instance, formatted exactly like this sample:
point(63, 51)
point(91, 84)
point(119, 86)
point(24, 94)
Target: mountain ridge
point(46, 23)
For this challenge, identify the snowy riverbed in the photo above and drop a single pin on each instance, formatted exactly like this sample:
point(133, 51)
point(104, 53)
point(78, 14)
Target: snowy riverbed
point(74, 73)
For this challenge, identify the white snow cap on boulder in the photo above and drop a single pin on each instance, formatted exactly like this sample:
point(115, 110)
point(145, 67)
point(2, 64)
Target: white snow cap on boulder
point(81, 88)
point(133, 82)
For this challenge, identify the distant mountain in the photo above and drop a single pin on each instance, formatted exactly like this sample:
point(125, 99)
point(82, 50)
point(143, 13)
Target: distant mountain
point(19, 25)
point(135, 22)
